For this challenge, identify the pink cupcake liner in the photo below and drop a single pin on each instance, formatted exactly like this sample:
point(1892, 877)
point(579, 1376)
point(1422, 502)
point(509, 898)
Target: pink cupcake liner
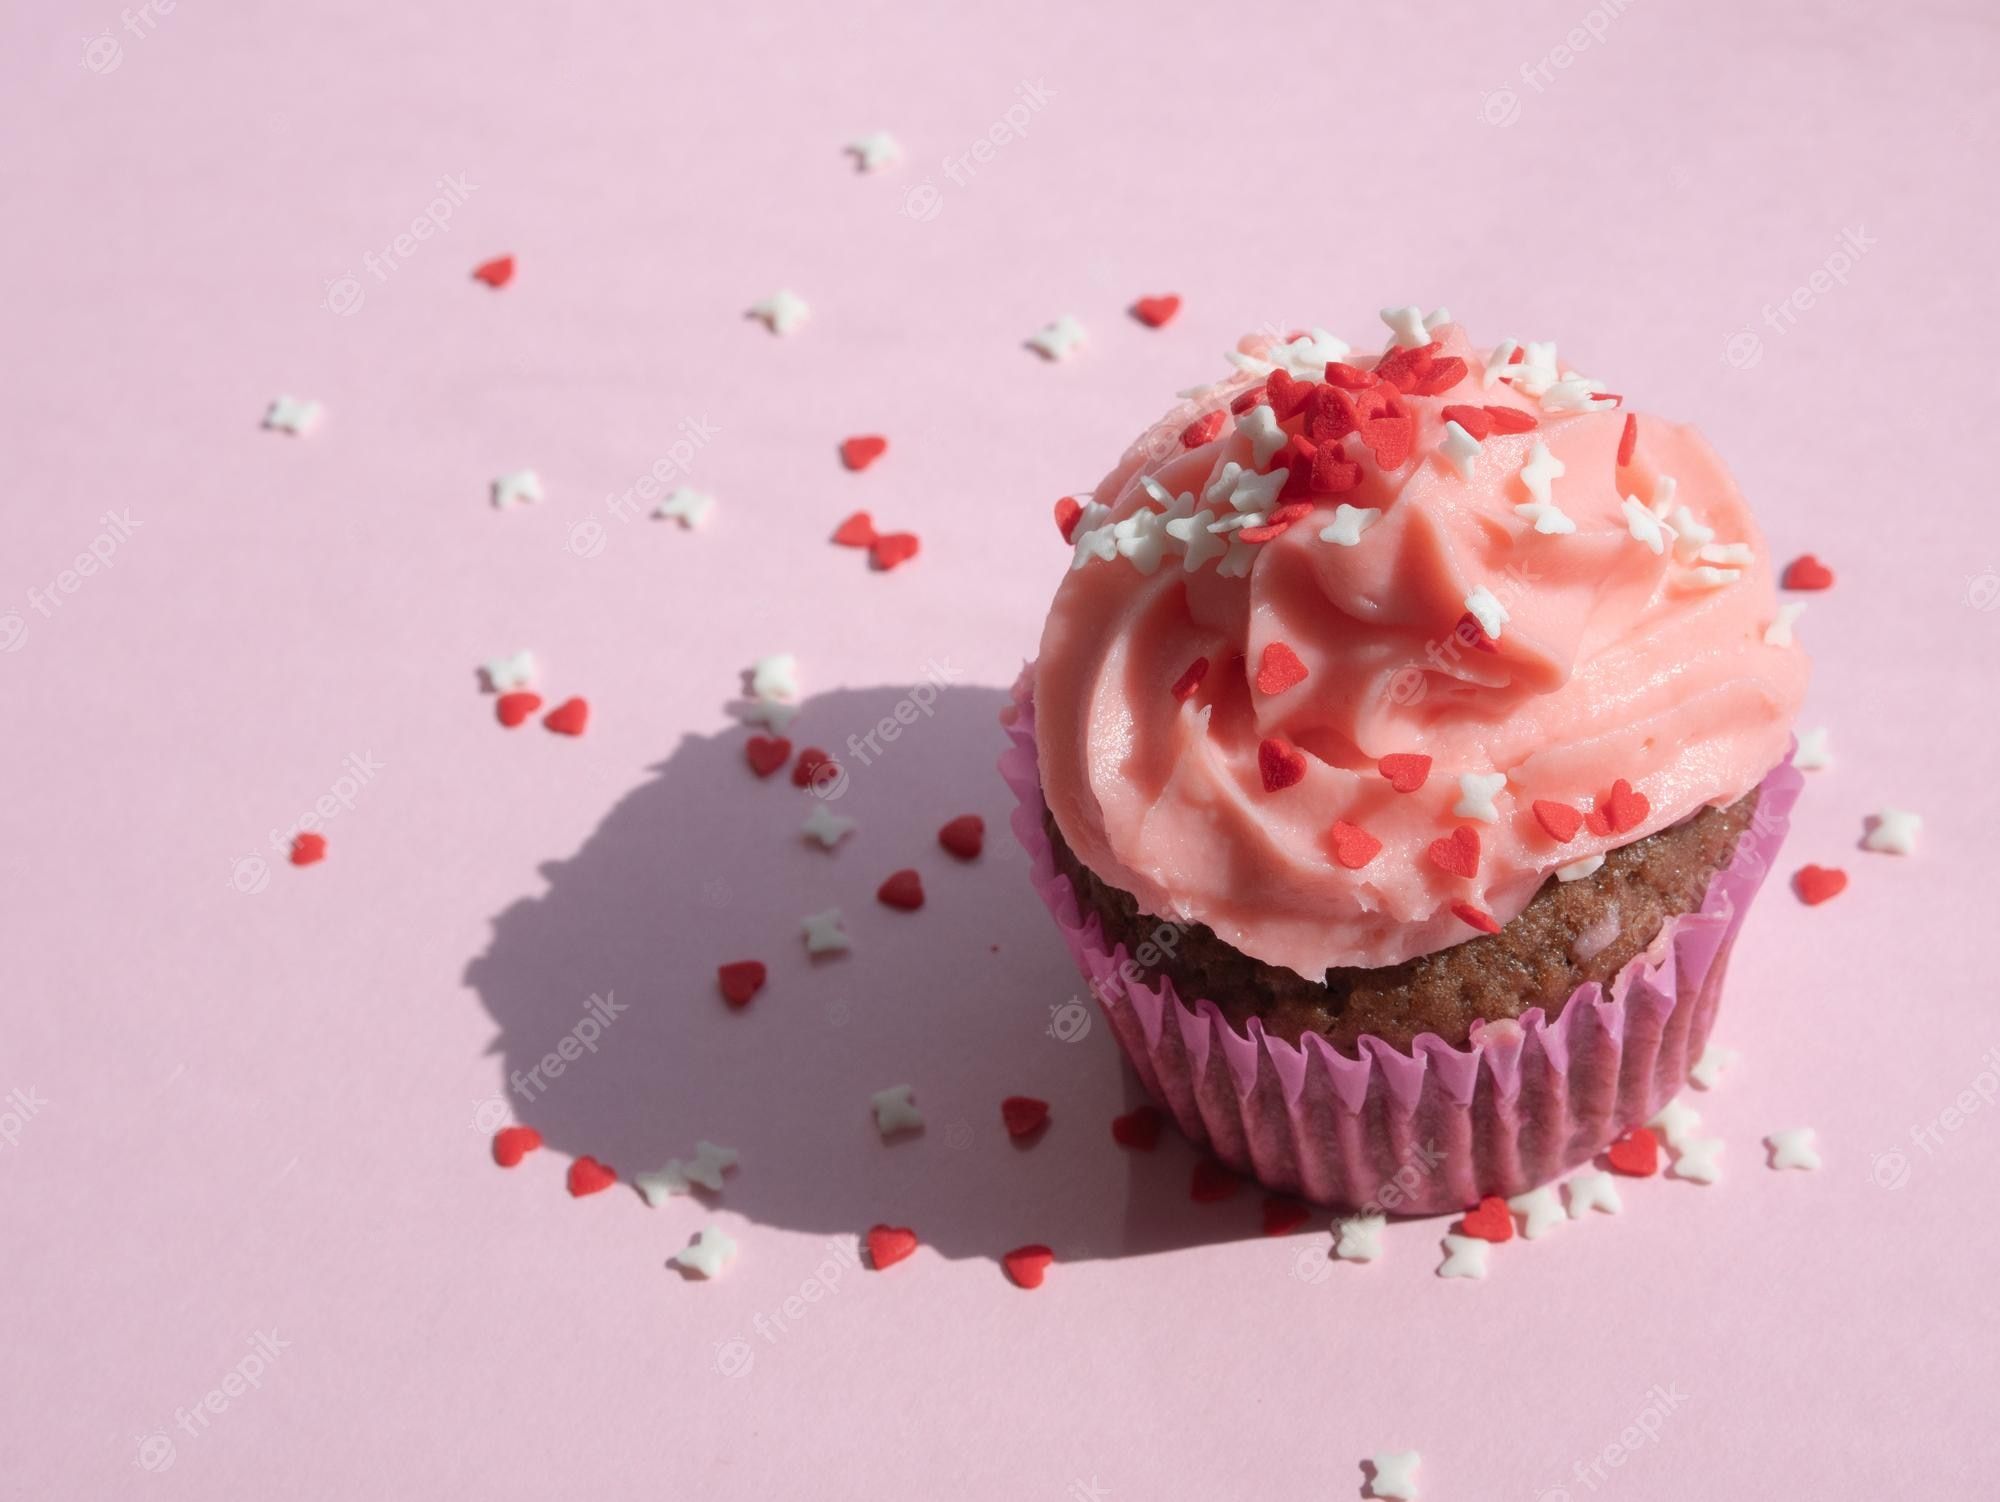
point(1433, 1130)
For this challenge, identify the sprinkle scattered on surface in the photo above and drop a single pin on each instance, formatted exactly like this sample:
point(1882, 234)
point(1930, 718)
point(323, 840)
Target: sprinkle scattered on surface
point(1636, 1154)
point(1817, 884)
point(1155, 311)
point(781, 312)
point(1794, 1147)
point(740, 980)
point(296, 415)
point(708, 1254)
point(1893, 831)
point(823, 934)
point(522, 487)
point(896, 1110)
point(1058, 340)
point(1464, 1257)
point(308, 849)
point(1359, 1237)
point(888, 1245)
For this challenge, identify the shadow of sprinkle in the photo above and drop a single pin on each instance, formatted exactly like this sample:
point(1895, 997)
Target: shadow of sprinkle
point(615, 1040)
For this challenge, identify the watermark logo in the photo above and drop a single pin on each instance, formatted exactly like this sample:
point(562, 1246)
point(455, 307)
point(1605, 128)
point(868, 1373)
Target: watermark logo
point(344, 294)
point(103, 53)
point(1744, 348)
point(156, 1452)
point(1500, 107)
point(734, 1357)
point(924, 201)
point(250, 874)
point(1982, 592)
point(16, 1111)
point(599, 1012)
point(1891, 1170)
point(1069, 1021)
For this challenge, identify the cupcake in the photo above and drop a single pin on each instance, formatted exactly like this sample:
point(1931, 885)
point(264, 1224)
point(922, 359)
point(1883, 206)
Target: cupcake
point(1408, 737)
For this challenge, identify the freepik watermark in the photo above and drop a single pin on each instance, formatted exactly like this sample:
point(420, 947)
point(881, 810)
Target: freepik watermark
point(924, 201)
point(589, 537)
point(20, 1106)
point(357, 772)
point(841, 1256)
point(157, 1451)
point(599, 1012)
point(1892, 1169)
point(1502, 106)
point(1312, 1264)
point(103, 53)
point(98, 557)
point(1745, 348)
point(1591, 1472)
point(346, 293)
point(1409, 683)
point(831, 778)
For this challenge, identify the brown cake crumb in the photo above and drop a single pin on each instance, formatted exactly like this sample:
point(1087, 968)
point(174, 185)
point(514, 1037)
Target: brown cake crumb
point(1570, 933)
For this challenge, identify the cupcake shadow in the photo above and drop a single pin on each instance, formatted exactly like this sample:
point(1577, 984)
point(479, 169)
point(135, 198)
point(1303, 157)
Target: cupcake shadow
point(615, 1042)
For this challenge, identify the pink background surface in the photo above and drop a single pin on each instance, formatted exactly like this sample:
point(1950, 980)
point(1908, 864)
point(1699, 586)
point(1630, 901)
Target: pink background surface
point(269, 1110)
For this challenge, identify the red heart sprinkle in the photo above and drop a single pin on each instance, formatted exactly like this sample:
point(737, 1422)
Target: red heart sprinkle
point(1068, 511)
point(588, 1176)
point(1286, 394)
point(1138, 1129)
point(1623, 808)
point(1475, 917)
point(512, 1144)
point(904, 889)
point(1280, 669)
point(766, 753)
point(1333, 473)
point(568, 717)
point(1405, 770)
point(1402, 366)
point(888, 1245)
point(1247, 400)
point(1807, 572)
point(892, 548)
point(858, 531)
point(1636, 1154)
point(1027, 1265)
point(1559, 819)
point(1282, 1216)
point(1331, 414)
point(1491, 1221)
point(1024, 1115)
point(859, 453)
point(1353, 847)
point(497, 272)
point(1815, 884)
point(1440, 377)
point(1281, 763)
point(814, 768)
point(964, 836)
point(1512, 420)
point(1348, 377)
point(1203, 430)
point(1190, 680)
point(1628, 438)
point(1212, 1182)
point(1389, 440)
point(512, 709)
point(1154, 311)
point(1476, 421)
point(1457, 854)
point(308, 849)
point(740, 980)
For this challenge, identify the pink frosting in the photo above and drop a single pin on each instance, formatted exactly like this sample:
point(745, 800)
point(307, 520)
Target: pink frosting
point(1613, 662)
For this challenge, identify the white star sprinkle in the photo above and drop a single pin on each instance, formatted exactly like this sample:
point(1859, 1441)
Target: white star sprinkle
point(896, 1110)
point(1236, 521)
point(1794, 1147)
point(775, 677)
point(1476, 792)
point(1349, 522)
point(1812, 755)
point(1550, 519)
point(1725, 554)
point(771, 713)
point(1359, 1238)
point(1540, 1210)
point(1573, 393)
point(1460, 450)
point(1395, 1474)
point(1646, 527)
point(712, 1251)
point(876, 150)
point(1664, 489)
point(1260, 426)
point(1894, 832)
point(1695, 1160)
point(1779, 632)
point(1058, 341)
point(1097, 542)
point(1143, 539)
point(1676, 1121)
point(1577, 870)
point(1485, 607)
point(1406, 326)
point(1591, 1190)
point(1541, 471)
point(297, 415)
point(1308, 355)
point(1465, 1257)
point(1254, 492)
point(1711, 1066)
point(1222, 483)
point(1537, 370)
point(823, 934)
point(521, 488)
point(1497, 362)
point(1690, 536)
point(1709, 577)
point(688, 507)
point(1199, 544)
point(783, 311)
point(680, 1175)
point(826, 826)
point(505, 674)
point(1237, 562)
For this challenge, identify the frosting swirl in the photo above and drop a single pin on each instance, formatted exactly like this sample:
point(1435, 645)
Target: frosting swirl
point(1474, 557)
